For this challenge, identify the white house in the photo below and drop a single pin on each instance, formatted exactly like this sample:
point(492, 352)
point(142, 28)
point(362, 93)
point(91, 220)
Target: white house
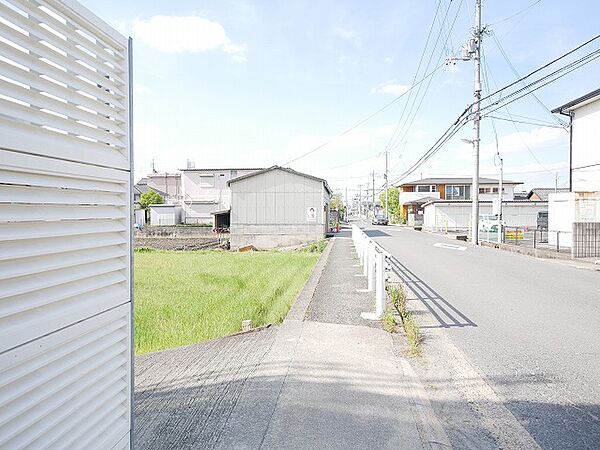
point(576, 214)
point(205, 191)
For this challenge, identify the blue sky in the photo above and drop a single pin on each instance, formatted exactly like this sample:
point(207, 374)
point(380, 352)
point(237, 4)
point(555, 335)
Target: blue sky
point(245, 83)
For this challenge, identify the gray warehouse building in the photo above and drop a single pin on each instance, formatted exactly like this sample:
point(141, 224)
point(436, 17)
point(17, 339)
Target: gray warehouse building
point(278, 207)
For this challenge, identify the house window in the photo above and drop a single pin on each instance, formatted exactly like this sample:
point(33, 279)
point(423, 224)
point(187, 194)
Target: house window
point(233, 173)
point(206, 180)
point(458, 192)
point(426, 188)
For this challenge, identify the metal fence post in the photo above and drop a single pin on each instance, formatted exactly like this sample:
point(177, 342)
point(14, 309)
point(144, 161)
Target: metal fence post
point(368, 246)
point(371, 268)
point(380, 284)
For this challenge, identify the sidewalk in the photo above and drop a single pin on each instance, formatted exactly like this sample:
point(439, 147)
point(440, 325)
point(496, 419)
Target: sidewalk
point(331, 380)
point(325, 378)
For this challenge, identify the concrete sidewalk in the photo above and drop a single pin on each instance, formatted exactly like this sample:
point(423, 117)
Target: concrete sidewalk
point(330, 381)
point(325, 378)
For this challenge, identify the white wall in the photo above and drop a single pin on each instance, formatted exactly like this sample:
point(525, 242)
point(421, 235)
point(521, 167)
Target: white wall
point(586, 139)
point(165, 215)
point(458, 215)
point(405, 197)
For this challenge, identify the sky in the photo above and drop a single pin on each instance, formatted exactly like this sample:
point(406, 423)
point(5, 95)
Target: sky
point(239, 83)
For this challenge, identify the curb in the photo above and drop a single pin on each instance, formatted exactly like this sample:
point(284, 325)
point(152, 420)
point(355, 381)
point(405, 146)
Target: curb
point(299, 308)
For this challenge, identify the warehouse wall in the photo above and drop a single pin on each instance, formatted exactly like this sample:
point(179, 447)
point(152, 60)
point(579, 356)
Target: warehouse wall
point(270, 210)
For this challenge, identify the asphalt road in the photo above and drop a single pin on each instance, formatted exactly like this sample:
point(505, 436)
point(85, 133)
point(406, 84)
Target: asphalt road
point(530, 327)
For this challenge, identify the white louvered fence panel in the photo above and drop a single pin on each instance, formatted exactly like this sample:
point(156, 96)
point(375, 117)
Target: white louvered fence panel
point(65, 228)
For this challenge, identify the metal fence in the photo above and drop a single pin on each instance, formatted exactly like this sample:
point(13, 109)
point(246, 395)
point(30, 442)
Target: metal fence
point(65, 228)
point(557, 241)
point(373, 261)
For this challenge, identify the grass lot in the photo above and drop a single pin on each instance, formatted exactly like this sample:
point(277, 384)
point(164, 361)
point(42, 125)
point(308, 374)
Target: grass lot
point(186, 297)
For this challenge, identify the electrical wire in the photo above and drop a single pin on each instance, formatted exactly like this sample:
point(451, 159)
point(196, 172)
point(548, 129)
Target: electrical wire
point(517, 13)
point(516, 73)
point(416, 74)
point(366, 119)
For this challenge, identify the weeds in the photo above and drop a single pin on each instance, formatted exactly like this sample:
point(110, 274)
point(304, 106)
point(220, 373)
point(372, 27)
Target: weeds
point(389, 323)
point(144, 250)
point(316, 247)
point(409, 322)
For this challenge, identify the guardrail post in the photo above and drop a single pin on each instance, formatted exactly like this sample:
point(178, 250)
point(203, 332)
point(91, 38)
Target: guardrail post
point(380, 284)
point(371, 268)
point(368, 246)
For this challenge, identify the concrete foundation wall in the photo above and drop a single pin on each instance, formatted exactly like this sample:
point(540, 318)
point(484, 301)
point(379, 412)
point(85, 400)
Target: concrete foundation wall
point(273, 236)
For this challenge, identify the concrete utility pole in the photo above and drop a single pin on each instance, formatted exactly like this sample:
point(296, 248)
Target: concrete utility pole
point(360, 201)
point(373, 196)
point(555, 182)
point(499, 229)
point(386, 185)
point(476, 124)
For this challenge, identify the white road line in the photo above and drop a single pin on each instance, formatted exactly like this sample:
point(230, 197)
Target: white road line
point(450, 246)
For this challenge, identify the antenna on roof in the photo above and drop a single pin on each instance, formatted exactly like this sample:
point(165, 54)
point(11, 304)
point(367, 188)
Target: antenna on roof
point(153, 169)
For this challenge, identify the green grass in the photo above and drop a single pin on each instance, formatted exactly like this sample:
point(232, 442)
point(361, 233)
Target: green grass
point(389, 323)
point(183, 298)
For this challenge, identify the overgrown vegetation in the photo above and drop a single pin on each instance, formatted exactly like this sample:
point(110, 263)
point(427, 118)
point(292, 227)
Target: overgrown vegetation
point(316, 247)
point(409, 321)
point(183, 298)
point(395, 212)
point(389, 323)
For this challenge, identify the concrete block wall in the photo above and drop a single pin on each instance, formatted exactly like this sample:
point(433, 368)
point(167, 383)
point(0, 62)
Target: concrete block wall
point(586, 240)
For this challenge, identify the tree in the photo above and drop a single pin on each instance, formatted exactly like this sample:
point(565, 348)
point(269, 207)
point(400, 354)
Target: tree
point(336, 204)
point(150, 198)
point(394, 209)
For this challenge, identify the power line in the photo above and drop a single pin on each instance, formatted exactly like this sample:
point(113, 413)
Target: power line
point(538, 124)
point(416, 73)
point(516, 73)
point(366, 119)
point(414, 99)
point(428, 84)
point(517, 13)
point(543, 67)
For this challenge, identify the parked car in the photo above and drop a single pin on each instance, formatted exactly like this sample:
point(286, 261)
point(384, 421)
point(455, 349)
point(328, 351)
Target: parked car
point(542, 220)
point(379, 220)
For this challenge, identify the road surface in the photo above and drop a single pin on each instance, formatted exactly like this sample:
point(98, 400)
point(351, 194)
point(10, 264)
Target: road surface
point(529, 327)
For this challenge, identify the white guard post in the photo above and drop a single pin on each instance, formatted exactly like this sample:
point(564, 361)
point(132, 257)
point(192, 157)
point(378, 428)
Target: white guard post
point(372, 258)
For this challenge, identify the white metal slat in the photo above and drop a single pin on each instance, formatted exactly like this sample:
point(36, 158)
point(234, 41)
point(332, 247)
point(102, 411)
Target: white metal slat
point(38, 34)
point(33, 139)
point(41, 118)
point(88, 387)
point(31, 230)
point(45, 102)
point(60, 305)
point(65, 248)
point(42, 14)
point(31, 79)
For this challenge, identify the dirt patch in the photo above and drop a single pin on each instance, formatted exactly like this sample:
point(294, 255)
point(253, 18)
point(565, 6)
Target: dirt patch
point(187, 243)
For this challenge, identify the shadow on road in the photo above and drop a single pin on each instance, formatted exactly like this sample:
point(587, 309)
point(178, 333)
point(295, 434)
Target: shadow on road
point(375, 233)
point(444, 312)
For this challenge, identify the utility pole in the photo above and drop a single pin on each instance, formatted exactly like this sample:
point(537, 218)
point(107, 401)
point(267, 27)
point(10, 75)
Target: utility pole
point(367, 199)
point(476, 125)
point(555, 182)
point(360, 201)
point(499, 229)
point(386, 185)
point(373, 196)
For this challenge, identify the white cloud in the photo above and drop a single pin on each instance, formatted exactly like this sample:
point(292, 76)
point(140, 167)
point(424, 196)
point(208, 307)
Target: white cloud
point(391, 88)
point(193, 34)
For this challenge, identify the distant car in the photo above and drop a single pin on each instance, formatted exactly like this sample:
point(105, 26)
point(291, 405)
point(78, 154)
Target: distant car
point(542, 220)
point(379, 220)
